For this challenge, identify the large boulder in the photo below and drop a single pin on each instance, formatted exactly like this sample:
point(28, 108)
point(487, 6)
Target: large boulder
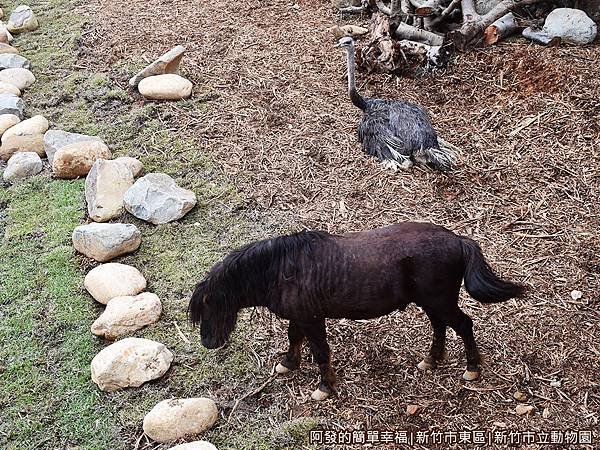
point(167, 63)
point(22, 165)
point(10, 61)
point(130, 363)
point(21, 20)
point(7, 121)
point(572, 26)
point(105, 241)
point(165, 87)
point(134, 165)
point(21, 78)
point(196, 445)
point(11, 104)
point(27, 143)
point(76, 159)
point(174, 419)
point(105, 188)
point(111, 280)
point(157, 199)
point(35, 125)
point(125, 315)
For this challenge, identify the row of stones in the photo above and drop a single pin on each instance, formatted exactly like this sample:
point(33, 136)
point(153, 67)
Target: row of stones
point(110, 189)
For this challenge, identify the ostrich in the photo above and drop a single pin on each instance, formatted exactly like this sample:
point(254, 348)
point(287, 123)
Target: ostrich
point(397, 132)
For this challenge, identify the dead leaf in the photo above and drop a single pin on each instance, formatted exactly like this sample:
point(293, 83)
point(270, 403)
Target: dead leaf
point(520, 396)
point(412, 409)
point(524, 409)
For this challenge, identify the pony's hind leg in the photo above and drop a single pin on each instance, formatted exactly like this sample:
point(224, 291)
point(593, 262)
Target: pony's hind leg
point(463, 325)
point(291, 360)
point(317, 339)
point(436, 353)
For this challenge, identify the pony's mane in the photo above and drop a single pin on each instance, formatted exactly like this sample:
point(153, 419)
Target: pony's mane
point(252, 271)
point(254, 268)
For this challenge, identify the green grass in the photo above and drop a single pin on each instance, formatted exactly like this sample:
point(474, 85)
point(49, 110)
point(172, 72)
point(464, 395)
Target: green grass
point(45, 394)
point(47, 399)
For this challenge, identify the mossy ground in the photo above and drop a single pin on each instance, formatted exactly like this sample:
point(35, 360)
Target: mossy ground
point(47, 399)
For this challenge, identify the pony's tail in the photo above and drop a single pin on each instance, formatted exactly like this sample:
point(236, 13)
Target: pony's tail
point(442, 159)
point(480, 281)
point(194, 310)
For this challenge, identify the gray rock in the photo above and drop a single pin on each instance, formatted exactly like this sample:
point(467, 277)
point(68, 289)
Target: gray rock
point(22, 165)
point(157, 199)
point(11, 61)
point(105, 241)
point(167, 63)
point(22, 19)
point(56, 139)
point(11, 104)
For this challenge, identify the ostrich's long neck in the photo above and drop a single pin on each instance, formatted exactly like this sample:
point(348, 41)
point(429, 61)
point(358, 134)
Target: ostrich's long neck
point(354, 95)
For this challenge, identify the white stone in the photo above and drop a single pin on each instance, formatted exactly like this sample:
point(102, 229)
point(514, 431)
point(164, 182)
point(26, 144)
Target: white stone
point(35, 125)
point(130, 362)
point(6, 48)
point(7, 121)
point(21, 78)
point(105, 241)
point(156, 198)
point(167, 63)
point(76, 159)
point(22, 165)
point(56, 139)
point(111, 280)
point(21, 20)
point(125, 315)
point(11, 61)
point(572, 26)
point(11, 104)
point(165, 87)
point(196, 445)
point(7, 88)
point(105, 188)
point(134, 165)
point(174, 419)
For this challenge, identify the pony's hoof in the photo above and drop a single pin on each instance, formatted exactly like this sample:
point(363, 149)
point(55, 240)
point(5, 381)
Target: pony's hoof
point(319, 395)
point(470, 375)
point(281, 369)
point(426, 365)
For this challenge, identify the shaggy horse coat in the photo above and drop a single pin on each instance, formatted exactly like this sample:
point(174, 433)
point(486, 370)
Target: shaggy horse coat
point(310, 276)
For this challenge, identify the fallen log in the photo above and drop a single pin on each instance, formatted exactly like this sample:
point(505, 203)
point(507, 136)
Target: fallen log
point(500, 29)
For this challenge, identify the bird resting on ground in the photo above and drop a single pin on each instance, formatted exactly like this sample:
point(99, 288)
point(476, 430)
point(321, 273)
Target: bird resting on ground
point(397, 132)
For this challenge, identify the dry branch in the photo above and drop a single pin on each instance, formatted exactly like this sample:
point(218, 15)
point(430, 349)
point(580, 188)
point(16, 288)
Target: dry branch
point(411, 33)
point(474, 24)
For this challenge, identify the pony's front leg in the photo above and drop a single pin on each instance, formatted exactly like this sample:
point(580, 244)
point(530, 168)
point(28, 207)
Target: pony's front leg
point(291, 360)
point(317, 339)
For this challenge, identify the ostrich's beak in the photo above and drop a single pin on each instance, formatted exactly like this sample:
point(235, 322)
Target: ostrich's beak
point(338, 45)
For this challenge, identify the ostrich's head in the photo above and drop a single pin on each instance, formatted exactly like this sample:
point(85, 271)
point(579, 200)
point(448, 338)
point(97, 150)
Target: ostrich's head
point(345, 42)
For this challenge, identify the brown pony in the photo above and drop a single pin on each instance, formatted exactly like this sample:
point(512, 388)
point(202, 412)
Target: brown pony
point(310, 276)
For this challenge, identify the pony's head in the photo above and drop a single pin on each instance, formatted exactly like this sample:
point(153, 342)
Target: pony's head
point(215, 314)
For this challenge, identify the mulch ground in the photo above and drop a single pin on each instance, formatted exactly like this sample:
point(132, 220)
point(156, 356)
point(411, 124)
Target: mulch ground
point(282, 129)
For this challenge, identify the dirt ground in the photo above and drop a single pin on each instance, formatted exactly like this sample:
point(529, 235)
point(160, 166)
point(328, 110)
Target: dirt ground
point(281, 128)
